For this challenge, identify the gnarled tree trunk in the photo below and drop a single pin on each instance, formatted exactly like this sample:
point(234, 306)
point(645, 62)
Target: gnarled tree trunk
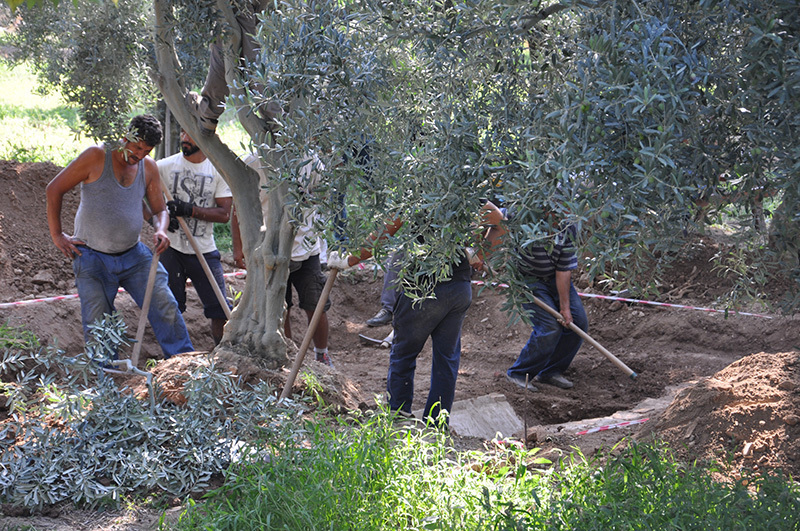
point(256, 325)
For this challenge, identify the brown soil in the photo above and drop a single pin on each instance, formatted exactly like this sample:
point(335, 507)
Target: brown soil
point(738, 375)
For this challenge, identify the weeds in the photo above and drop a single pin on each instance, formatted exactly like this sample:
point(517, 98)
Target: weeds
point(374, 475)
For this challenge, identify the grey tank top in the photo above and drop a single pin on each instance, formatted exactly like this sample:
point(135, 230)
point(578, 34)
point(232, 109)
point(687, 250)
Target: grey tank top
point(109, 217)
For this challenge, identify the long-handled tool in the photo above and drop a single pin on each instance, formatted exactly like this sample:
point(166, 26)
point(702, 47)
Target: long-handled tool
point(203, 263)
point(148, 295)
point(312, 327)
point(384, 343)
point(588, 338)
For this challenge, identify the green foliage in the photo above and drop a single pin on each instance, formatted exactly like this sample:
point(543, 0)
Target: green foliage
point(622, 118)
point(95, 54)
point(222, 235)
point(99, 55)
point(646, 488)
point(35, 127)
point(373, 475)
point(13, 337)
point(619, 117)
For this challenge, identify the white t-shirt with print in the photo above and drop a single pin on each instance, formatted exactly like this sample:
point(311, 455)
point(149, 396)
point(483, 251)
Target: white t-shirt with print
point(199, 184)
point(306, 242)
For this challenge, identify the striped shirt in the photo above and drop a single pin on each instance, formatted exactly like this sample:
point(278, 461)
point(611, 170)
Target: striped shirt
point(544, 261)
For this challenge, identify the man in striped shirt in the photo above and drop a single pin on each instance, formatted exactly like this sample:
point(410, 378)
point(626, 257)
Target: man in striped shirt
point(547, 270)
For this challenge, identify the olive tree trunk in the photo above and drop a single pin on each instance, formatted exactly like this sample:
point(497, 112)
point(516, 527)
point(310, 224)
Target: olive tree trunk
point(256, 325)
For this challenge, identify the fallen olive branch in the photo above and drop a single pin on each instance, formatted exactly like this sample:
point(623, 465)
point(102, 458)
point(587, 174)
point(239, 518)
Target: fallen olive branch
point(74, 435)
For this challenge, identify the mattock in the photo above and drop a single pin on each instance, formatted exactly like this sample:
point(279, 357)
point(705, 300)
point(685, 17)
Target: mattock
point(572, 326)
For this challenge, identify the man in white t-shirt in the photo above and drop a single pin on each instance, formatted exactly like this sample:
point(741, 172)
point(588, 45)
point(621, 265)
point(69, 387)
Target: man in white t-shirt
point(305, 270)
point(202, 198)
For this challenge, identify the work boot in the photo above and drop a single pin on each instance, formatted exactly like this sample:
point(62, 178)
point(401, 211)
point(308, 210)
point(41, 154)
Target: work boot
point(557, 379)
point(520, 381)
point(383, 317)
point(196, 104)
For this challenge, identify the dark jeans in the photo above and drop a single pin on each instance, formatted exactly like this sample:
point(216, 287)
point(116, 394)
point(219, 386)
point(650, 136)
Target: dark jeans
point(551, 347)
point(440, 319)
point(181, 266)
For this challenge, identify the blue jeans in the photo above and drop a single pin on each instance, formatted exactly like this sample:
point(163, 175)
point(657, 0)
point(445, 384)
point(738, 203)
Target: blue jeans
point(440, 319)
point(98, 276)
point(551, 347)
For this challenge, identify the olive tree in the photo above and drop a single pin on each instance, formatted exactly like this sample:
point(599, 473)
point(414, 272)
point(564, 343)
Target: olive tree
point(621, 117)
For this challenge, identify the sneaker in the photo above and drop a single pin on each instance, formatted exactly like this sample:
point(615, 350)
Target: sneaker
point(383, 317)
point(325, 358)
point(557, 379)
point(194, 101)
point(520, 381)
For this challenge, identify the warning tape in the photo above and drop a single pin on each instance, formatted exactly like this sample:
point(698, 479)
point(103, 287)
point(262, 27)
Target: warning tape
point(612, 426)
point(475, 282)
point(75, 295)
point(613, 298)
point(640, 301)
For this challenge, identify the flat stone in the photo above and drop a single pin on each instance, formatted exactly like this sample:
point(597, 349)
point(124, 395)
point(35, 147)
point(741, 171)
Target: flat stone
point(484, 417)
point(43, 277)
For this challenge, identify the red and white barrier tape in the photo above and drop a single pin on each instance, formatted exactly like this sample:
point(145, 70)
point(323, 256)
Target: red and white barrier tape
point(75, 295)
point(475, 282)
point(611, 426)
point(640, 301)
point(669, 305)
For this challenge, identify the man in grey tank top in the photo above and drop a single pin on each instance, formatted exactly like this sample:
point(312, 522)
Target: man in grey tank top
point(105, 250)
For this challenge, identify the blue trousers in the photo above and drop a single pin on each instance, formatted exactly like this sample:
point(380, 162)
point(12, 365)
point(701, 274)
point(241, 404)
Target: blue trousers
point(440, 319)
point(551, 347)
point(98, 277)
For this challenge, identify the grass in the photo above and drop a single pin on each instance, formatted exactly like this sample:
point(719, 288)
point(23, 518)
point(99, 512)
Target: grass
point(372, 475)
point(13, 337)
point(35, 127)
point(42, 128)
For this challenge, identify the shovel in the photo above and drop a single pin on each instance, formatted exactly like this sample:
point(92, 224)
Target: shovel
point(588, 338)
point(131, 366)
point(312, 327)
point(148, 295)
point(201, 258)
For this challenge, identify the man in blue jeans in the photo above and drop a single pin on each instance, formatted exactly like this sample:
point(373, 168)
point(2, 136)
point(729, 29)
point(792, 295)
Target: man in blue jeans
point(439, 318)
point(105, 250)
point(552, 345)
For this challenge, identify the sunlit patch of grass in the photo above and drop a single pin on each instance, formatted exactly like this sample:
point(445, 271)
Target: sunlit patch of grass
point(36, 127)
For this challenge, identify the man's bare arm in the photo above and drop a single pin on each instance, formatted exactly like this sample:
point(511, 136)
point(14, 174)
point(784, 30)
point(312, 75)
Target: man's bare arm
point(87, 167)
point(155, 198)
point(563, 281)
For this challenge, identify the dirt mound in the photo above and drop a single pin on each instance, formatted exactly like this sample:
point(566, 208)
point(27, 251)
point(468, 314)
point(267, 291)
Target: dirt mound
point(746, 414)
point(667, 347)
